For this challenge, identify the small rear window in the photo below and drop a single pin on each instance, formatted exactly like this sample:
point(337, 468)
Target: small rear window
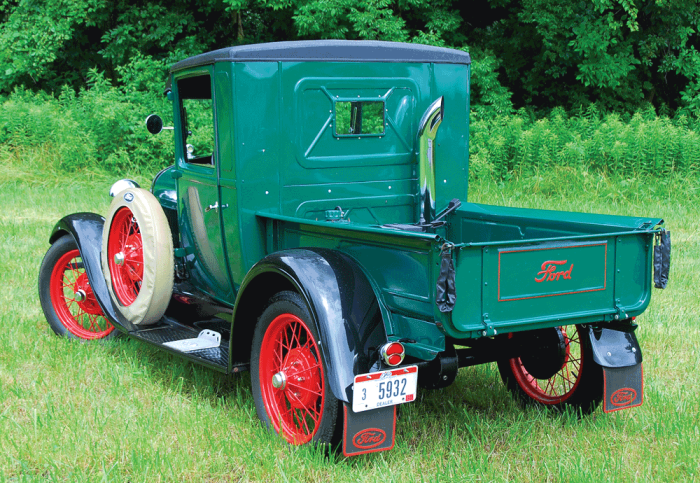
point(354, 118)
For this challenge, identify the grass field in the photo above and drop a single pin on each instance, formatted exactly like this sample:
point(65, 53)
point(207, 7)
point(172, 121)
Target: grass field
point(123, 411)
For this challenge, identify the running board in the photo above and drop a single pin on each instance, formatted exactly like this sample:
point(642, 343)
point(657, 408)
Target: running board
point(168, 331)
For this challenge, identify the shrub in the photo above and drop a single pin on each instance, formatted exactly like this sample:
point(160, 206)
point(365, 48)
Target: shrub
point(644, 144)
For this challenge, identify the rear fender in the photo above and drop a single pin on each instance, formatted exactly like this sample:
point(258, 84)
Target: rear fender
point(343, 303)
point(615, 346)
point(86, 230)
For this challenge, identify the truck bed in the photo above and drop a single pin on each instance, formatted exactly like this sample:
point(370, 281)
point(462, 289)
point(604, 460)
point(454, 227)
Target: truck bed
point(520, 269)
point(516, 269)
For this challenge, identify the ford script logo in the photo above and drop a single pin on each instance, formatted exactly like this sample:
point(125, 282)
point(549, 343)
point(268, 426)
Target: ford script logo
point(623, 397)
point(549, 273)
point(369, 438)
point(128, 197)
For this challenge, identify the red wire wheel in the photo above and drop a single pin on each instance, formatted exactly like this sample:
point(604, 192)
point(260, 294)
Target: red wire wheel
point(66, 296)
point(291, 392)
point(556, 374)
point(125, 256)
point(291, 379)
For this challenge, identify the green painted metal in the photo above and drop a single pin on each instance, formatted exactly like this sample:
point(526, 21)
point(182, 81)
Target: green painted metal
point(522, 269)
point(287, 179)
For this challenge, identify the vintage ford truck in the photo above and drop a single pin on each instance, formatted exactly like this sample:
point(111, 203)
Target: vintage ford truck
point(314, 229)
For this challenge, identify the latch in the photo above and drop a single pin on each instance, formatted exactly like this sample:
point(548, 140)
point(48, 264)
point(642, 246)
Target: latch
point(620, 313)
point(489, 330)
point(337, 215)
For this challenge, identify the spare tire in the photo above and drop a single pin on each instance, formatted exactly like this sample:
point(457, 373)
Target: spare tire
point(137, 256)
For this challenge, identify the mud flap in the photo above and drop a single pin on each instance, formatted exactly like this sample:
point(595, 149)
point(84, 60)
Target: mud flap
point(620, 356)
point(368, 431)
point(623, 387)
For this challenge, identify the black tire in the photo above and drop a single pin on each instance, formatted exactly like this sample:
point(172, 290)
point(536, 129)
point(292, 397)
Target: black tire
point(61, 278)
point(291, 408)
point(577, 383)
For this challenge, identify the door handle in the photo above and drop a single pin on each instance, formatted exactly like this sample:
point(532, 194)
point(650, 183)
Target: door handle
point(214, 207)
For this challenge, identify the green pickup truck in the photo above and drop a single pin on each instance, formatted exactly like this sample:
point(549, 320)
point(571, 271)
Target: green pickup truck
point(314, 229)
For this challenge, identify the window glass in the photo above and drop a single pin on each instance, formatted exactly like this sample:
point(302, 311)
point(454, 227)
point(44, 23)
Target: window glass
point(361, 117)
point(197, 114)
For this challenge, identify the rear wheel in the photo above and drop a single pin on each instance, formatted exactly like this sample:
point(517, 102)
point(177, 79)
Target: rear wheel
point(67, 299)
point(559, 372)
point(289, 379)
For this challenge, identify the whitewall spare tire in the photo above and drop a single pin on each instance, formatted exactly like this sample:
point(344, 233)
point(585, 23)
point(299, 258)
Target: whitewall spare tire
point(137, 256)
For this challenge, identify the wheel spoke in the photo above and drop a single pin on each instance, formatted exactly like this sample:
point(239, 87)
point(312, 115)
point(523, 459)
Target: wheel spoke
point(304, 389)
point(308, 369)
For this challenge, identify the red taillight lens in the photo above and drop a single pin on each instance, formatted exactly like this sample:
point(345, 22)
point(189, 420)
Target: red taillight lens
point(393, 353)
point(394, 348)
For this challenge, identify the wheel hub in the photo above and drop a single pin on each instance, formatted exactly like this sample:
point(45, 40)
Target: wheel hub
point(548, 354)
point(302, 378)
point(279, 380)
point(85, 297)
point(133, 257)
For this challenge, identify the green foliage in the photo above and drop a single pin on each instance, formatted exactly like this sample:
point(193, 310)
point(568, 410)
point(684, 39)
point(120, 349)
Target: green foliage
point(620, 54)
point(640, 144)
point(102, 67)
point(98, 126)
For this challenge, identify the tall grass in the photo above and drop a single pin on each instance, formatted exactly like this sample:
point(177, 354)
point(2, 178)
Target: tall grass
point(643, 143)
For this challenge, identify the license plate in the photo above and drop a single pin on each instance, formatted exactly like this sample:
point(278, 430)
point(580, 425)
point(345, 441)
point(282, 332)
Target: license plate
point(386, 388)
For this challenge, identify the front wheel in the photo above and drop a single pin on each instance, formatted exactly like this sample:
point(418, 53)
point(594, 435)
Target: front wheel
point(66, 297)
point(559, 372)
point(289, 379)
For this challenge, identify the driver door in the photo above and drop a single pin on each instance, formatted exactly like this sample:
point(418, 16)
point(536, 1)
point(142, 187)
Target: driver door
point(199, 200)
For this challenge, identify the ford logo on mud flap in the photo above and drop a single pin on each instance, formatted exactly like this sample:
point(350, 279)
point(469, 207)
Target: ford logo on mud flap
point(369, 438)
point(623, 397)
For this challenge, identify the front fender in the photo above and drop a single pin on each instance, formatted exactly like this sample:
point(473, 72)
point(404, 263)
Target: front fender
point(341, 300)
point(86, 230)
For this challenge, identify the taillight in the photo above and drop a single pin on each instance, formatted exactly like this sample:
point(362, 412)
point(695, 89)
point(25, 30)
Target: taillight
point(393, 353)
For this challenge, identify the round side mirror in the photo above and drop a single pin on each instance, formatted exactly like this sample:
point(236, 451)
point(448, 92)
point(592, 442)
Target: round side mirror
point(154, 124)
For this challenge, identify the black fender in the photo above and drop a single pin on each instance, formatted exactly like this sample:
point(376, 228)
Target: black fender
point(340, 298)
point(86, 230)
point(615, 346)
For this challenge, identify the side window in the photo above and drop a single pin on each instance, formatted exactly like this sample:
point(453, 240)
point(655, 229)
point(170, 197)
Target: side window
point(197, 115)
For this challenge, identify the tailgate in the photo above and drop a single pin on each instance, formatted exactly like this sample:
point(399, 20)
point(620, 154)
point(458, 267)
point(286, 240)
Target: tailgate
point(521, 285)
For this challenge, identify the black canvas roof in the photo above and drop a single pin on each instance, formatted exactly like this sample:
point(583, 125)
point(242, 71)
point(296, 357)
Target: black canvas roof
point(329, 51)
